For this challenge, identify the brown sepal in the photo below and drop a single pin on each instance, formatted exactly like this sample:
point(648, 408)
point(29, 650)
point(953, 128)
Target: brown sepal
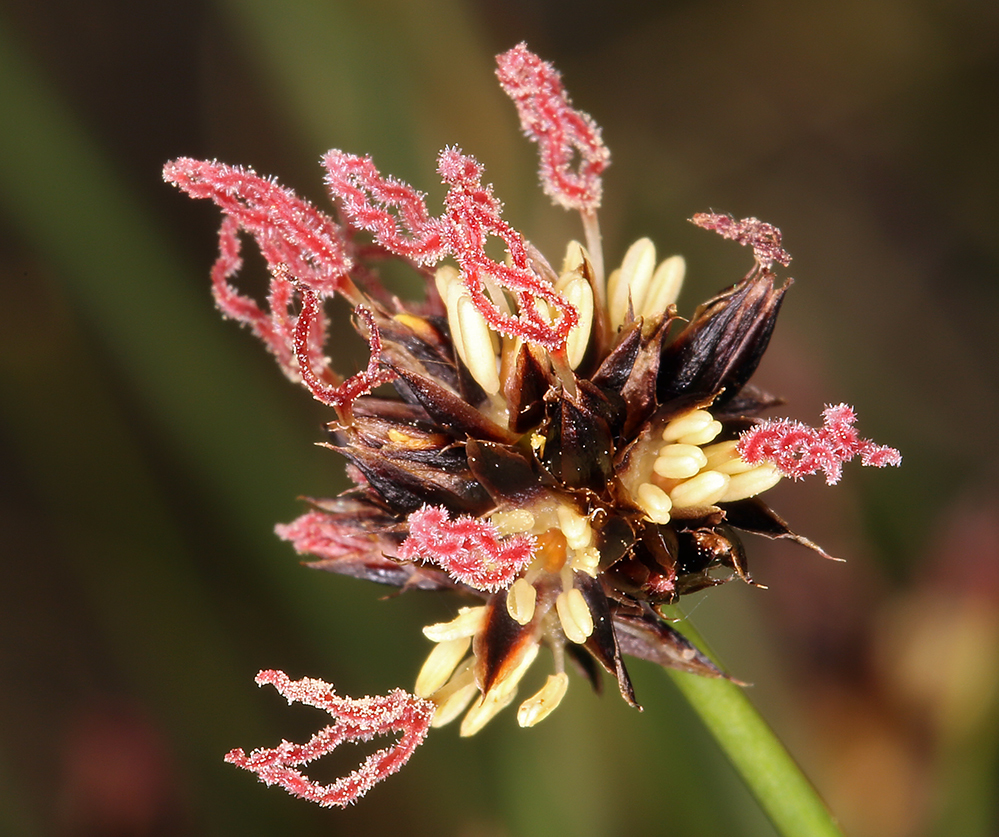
point(756, 517)
point(723, 343)
point(449, 410)
point(602, 643)
point(649, 638)
point(499, 645)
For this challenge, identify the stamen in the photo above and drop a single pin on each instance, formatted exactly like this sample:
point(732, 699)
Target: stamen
point(586, 561)
point(452, 699)
point(499, 696)
point(537, 708)
point(654, 502)
point(468, 622)
point(706, 489)
point(575, 616)
point(440, 665)
point(689, 424)
point(725, 458)
point(630, 282)
point(750, 483)
point(576, 527)
point(664, 287)
point(580, 296)
point(480, 355)
point(520, 601)
point(512, 522)
point(679, 462)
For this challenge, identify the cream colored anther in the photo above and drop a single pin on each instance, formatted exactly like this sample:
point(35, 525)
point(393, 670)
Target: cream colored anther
point(440, 665)
point(575, 616)
point(678, 462)
point(469, 621)
point(579, 295)
point(477, 338)
point(724, 457)
point(630, 282)
point(664, 287)
point(520, 601)
point(750, 483)
point(576, 528)
point(513, 521)
point(539, 706)
point(452, 699)
point(654, 502)
point(705, 489)
point(498, 697)
point(689, 426)
point(586, 561)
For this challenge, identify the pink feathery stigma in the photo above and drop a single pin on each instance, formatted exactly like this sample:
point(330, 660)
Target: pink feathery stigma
point(287, 229)
point(361, 383)
point(356, 719)
point(764, 238)
point(274, 328)
point(563, 134)
point(472, 214)
point(366, 198)
point(468, 548)
point(798, 450)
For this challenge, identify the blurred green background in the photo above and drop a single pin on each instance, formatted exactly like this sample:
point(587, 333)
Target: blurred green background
point(147, 448)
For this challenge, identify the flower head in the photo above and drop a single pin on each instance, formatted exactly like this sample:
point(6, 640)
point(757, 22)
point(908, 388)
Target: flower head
point(564, 452)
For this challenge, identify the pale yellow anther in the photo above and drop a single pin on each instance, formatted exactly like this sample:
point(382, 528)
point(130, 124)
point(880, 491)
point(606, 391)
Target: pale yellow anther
point(539, 706)
point(477, 339)
point(575, 616)
point(452, 699)
point(576, 527)
point(705, 489)
point(440, 665)
point(579, 295)
point(664, 287)
point(483, 711)
point(677, 462)
point(703, 436)
point(513, 521)
point(507, 685)
point(750, 483)
point(444, 278)
point(654, 502)
point(586, 561)
point(520, 601)
point(575, 255)
point(630, 282)
point(498, 697)
point(696, 421)
point(469, 621)
point(725, 458)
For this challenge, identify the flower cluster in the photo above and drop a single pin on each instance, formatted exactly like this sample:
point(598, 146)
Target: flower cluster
point(558, 447)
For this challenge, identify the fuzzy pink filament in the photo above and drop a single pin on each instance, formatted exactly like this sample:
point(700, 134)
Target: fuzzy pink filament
point(764, 238)
point(798, 450)
point(356, 719)
point(563, 134)
point(468, 548)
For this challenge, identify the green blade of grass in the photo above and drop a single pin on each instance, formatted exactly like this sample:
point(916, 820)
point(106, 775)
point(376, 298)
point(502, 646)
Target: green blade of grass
point(761, 760)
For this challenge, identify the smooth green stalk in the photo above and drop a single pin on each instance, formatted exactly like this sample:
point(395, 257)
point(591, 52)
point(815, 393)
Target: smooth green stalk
point(773, 777)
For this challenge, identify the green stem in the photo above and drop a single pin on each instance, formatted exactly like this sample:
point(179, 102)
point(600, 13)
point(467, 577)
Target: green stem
point(771, 774)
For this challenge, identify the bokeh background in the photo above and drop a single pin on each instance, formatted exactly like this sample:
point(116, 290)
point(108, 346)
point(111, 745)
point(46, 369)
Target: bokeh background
point(147, 447)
